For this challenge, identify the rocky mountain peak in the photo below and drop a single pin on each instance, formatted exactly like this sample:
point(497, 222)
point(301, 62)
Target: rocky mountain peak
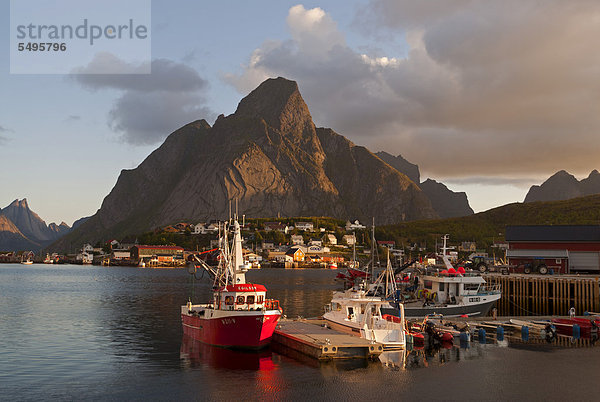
point(563, 186)
point(279, 102)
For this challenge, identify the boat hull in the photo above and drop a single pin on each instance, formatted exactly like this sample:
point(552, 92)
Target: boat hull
point(481, 309)
point(232, 329)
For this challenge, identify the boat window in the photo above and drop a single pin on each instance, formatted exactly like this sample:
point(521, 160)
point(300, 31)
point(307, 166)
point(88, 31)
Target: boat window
point(240, 300)
point(362, 308)
point(260, 299)
point(428, 284)
point(374, 310)
point(471, 286)
point(441, 285)
point(228, 300)
point(250, 299)
point(350, 310)
point(337, 306)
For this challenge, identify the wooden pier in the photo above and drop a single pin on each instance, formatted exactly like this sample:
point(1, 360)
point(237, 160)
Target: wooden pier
point(314, 339)
point(545, 295)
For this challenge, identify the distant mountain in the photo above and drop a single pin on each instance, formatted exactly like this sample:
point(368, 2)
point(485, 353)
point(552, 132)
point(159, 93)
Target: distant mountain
point(447, 203)
point(23, 229)
point(564, 186)
point(11, 238)
point(401, 165)
point(271, 158)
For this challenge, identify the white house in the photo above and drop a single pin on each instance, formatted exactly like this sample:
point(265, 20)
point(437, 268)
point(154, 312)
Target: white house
point(297, 240)
point(315, 242)
point(354, 225)
point(86, 254)
point(203, 228)
point(330, 238)
point(349, 240)
point(305, 226)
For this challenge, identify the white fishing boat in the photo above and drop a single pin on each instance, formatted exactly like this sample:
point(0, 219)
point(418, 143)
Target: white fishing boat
point(448, 291)
point(358, 311)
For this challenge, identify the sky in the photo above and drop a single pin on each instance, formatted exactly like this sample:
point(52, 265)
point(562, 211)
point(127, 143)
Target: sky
point(487, 97)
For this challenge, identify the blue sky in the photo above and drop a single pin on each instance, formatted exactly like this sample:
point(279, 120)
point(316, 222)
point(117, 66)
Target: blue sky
point(488, 99)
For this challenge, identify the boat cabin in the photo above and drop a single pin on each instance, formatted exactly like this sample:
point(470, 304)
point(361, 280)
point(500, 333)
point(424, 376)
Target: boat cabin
point(356, 309)
point(245, 296)
point(450, 289)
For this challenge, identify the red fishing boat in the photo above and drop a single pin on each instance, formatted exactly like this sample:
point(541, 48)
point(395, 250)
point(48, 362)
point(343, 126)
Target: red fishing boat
point(239, 314)
point(588, 327)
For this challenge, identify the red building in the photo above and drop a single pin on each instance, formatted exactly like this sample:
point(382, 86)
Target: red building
point(561, 248)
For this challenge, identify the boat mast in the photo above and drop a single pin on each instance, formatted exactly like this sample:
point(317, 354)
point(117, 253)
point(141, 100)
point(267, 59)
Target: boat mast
point(373, 251)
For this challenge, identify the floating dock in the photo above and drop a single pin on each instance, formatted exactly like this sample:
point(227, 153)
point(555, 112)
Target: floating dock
point(314, 339)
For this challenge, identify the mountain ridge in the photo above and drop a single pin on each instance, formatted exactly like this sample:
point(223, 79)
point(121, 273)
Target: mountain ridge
point(269, 156)
point(563, 186)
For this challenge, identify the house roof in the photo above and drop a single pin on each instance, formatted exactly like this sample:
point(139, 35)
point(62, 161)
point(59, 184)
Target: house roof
point(550, 233)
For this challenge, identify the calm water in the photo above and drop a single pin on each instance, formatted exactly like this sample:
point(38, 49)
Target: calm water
point(94, 333)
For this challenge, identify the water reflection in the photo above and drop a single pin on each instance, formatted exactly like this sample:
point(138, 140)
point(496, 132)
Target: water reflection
point(427, 357)
point(195, 354)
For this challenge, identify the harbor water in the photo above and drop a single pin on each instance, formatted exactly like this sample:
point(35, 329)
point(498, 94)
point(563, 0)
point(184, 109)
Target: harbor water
point(114, 333)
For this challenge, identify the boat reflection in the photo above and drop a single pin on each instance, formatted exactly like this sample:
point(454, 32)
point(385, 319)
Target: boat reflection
point(438, 355)
point(194, 354)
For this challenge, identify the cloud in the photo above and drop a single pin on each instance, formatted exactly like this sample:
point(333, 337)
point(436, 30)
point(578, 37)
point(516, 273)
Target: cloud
point(3, 139)
point(72, 118)
point(151, 105)
point(485, 89)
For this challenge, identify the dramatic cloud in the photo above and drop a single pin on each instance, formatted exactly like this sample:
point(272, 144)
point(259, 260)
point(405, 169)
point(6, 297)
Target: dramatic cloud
point(485, 89)
point(151, 106)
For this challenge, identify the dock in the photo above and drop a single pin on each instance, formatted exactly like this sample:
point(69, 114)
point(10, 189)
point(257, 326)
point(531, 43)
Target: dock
point(530, 294)
point(313, 338)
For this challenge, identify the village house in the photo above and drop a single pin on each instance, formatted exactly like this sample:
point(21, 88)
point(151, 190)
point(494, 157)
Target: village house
point(354, 225)
point(330, 239)
point(275, 226)
point(468, 246)
point(204, 228)
point(296, 253)
point(304, 226)
point(386, 243)
point(315, 242)
point(349, 240)
point(297, 240)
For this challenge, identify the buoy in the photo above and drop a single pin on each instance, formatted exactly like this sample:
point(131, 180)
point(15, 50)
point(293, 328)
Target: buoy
point(576, 331)
point(481, 336)
point(461, 270)
point(464, 340)
point(525, 333)
point(500, 333)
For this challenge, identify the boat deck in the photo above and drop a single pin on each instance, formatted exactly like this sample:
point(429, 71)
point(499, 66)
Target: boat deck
point(312, 338)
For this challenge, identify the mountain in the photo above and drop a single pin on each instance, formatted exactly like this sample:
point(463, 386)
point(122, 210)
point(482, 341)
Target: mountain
point(401, 165)
point(270, 157)
point(445, 202)
point(28, 222)
point(564, 186)
point(23, 229)
point(12, 239)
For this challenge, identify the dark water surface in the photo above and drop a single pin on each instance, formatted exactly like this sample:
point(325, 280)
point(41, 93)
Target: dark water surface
point(95, 333)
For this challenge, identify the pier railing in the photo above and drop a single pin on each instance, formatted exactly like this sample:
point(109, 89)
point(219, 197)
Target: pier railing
point(545, 295)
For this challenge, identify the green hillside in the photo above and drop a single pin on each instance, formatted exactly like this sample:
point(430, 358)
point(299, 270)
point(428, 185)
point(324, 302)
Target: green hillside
point(488, 227)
